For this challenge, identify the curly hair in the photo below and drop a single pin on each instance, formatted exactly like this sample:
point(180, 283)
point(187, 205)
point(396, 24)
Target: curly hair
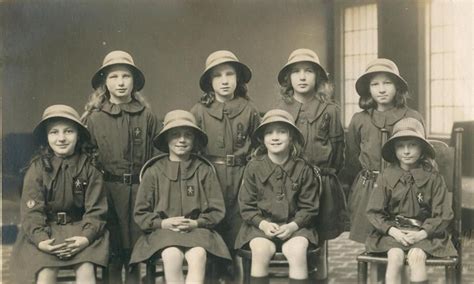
point(399, 101)
point(323, 88)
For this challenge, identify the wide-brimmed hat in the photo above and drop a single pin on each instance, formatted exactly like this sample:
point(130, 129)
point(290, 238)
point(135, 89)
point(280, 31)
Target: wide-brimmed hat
point(220, 57)
point(58, 111)
point(379, 65)
point(406, 128)
point(277, 115)
point(178, 118)
point(118, 57)
point(301, 55)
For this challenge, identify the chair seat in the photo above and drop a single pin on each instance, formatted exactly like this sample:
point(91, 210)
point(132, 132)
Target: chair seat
point(278, 257)
point(432, 261)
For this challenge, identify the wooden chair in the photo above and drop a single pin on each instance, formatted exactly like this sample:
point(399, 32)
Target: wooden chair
point(278, 260)
point(66, 275)
point(449, 163)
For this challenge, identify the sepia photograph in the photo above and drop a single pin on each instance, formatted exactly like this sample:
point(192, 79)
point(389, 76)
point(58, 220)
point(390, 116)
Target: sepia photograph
point(237, 141)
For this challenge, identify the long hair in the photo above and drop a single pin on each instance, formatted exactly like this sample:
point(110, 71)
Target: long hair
point(323, 88)
point(399, 101)
point(295, 148)
point(241, 89)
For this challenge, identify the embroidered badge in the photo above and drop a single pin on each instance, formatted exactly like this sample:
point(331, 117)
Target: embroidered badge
point(79, 186)
point(419, 197)
point(295, 186)
point(30, 203)
point(324, 126)
point(137, 135)
point(241, 137)
point(190, 190)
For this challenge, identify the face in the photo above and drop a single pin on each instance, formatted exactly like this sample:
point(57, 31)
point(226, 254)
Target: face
point(303, 78)
point(277, 138)
point(224, 81)
point(119, 82)
point(408, 152)
point(383, 89)
point(62, 137)
point(180, 142)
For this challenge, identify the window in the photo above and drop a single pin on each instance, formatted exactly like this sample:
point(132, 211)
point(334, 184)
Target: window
point(450, 60)
point(359, 48)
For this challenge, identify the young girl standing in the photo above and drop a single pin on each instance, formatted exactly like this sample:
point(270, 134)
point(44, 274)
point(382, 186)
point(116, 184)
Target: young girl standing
point(383, 94)
point(179, 202)
point(122, 126)
point(63, 205)
point(307, 95)
point(409, 207)
point(279, 199)
point(227, 115)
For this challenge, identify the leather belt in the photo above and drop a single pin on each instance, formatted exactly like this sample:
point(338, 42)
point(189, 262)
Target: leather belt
point(125, 178)
point(369, 175)
point(62, 218)
point(228, 160)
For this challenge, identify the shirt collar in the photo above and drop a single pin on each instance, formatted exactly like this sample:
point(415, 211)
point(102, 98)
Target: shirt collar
point(133, 106)
point(233, 108)
point(387, 118)
point(394, 173)
point(314, 108)
point(172, 170)
point(290, 167)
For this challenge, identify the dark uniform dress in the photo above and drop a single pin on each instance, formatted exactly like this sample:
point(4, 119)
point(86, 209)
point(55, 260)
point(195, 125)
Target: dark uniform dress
point(320, 123)
point(172, 189)
point(416, 194)
point(363, 161)
point(229, 126)
point(278, 194)
point(123, 134)
point(74, 187)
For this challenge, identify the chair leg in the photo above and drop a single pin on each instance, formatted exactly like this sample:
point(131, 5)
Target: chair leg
point(150, 272)
point(362, 272)
point(246, 266)
point(451, 275)
point(322, 262)
point(105, 275)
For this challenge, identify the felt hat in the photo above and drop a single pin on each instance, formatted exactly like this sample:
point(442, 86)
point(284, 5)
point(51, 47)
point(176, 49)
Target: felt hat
point(118, 57)
point(379, 65)
point(58, 111)
point(406, 128)
point(174, 119)
point(277, 115)
point(220, 57)
point(301, 55)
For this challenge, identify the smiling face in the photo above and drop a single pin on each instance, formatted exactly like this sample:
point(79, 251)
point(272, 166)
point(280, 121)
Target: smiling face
point(180, 143)
point(383, 90)
point(408, 152)
point(277, 139)
point(303, 78)
point(119, 82)
point(224, 81)
point(62, 137)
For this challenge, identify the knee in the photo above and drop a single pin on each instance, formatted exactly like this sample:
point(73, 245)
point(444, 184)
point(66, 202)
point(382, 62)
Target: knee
point(197, 255)
point(416, 256)
point(396, 257)
point(172, 254)
point(295, 248)
point(262, 248)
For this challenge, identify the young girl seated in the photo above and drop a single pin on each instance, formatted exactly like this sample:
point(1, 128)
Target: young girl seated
point(409, 207)
point(279, 199)
point(179, 202)
point(63, 205)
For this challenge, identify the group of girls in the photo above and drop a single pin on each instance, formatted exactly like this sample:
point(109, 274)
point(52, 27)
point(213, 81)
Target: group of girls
point(114, 187)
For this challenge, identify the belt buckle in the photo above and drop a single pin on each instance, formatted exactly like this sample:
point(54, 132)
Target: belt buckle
point(61, 218)
point(230, 160)
point(127, 178)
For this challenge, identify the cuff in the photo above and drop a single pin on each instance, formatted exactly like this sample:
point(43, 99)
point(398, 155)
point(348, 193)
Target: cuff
point(39, 237)
point(256, 220)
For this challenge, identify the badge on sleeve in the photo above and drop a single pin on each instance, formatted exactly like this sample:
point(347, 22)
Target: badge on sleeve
point(30, 203)
point(190, 190)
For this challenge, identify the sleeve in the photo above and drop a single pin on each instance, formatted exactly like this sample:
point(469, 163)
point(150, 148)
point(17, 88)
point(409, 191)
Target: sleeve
point(336, 137)
point(144, 214)
point(308, 199)
point(352, 153)
point(377, 207)
point(215, 211)
point(33, 206)
point(195, 110)
point(441, 209)
point(95, 205)
point(154, 127)
point(248, 199)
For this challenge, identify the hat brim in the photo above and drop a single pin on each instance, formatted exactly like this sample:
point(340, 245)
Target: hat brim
point(100, 76)
point(39, 132)
point(257, 135)
point(160, 140)
point(285, 70)
point(243, 70)
point(362, 84)
point(388, 149)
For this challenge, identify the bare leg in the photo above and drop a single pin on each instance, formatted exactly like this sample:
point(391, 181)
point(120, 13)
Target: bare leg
point(85, 273)
point(417, 263)
point(173, 264)
point(396, 260)
point(295, 250)
point(196, 258)
point(262, 252)
point(47, 275)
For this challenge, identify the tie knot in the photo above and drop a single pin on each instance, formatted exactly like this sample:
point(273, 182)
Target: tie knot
point(407, 179)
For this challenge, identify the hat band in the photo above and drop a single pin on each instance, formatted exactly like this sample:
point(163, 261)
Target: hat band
point(388, 66)
point(226, 59)
point(178, 119)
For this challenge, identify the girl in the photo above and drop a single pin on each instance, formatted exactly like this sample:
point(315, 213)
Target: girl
point(179, 202)
point(63, 206)
point(307, 94)
point(383, 94)
point(409, 207)
point(226, 114)
point(122, 127)
point(279, 199)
